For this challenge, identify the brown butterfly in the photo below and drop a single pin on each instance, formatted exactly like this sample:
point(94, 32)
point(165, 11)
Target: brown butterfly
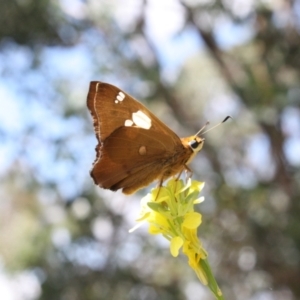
point(135, 147)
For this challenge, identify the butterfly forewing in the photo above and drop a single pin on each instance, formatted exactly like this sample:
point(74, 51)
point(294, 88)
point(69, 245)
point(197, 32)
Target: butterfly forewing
point(112, 107)
point(134, 147)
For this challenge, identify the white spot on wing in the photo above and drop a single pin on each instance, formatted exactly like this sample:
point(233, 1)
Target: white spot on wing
point(128, 123)
point(141, 120)
point(120, 97)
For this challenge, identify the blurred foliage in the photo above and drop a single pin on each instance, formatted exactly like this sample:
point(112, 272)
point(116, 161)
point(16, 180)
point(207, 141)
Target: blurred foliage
point(71, 238)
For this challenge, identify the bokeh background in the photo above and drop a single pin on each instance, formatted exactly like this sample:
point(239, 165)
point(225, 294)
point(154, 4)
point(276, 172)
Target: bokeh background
point(188, 61)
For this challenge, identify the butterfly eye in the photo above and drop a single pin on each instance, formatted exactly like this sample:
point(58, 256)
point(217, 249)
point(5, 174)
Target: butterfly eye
point(196, 144)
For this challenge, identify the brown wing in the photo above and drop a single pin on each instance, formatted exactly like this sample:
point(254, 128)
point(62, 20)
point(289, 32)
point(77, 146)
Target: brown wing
point(130, 159)
point(129, 155)
point(109, 113)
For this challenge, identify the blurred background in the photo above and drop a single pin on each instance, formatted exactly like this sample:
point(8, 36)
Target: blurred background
point(188, 61)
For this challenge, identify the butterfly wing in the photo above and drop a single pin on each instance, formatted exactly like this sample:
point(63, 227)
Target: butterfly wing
point(111, 107)
point(131, 158)
point(134, 147)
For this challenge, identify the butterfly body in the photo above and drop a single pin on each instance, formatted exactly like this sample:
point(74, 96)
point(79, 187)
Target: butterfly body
point(134, 146)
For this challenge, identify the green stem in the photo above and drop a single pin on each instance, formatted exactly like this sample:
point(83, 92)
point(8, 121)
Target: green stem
point(212, 283)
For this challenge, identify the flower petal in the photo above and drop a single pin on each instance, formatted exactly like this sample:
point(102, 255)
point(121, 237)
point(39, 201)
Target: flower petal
point(192, 220)
point(199, 200)
point(175, 245)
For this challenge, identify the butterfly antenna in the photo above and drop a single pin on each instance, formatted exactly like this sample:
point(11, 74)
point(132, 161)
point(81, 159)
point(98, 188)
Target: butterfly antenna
point(202, 128)
point(228, 117)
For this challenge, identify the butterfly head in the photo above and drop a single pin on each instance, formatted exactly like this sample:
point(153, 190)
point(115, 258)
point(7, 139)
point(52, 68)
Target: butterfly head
point(196, 143)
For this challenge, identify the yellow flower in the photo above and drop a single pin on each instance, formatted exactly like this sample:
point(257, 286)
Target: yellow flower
point(169, 210)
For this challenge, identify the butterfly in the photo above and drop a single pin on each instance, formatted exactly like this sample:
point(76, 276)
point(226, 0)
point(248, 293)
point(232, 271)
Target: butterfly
point(134, 147)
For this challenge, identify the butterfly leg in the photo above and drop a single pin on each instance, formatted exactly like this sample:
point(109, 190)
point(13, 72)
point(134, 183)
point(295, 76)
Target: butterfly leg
point(160, 183)
point(188, 172)
point(186, 169)
point(178, 176)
